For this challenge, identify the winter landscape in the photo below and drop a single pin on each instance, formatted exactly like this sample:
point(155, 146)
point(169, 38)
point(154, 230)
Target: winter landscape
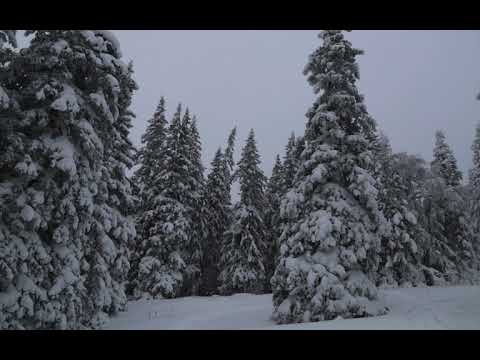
point(102, 230)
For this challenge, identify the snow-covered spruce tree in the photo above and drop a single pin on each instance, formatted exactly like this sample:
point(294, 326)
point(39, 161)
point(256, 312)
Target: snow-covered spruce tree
point(446, 244)
point(169, 263)
point(109, 257)
point(439, 258)
point(217, 216)
point(151, 155)
point(299, 147)
point(457, 230)
point(230, 163)
point(151, 159)
point(274, 193)
point(68, 189)
point(399, 252)
point(414, 172)
point(328, 252)
point(291, 159)
point(444, 163)
point(426, 196)
point(22, 254)
point(243, 248)
point(290, 163)
point(165, 226)
point(195, 204)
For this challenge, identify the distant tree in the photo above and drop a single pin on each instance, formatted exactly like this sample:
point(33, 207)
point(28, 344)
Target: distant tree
point(229, 150)
point(164, 226)
point(444, 163)
point(400, 259)
point(274, 193)
point(151, 159)
point(217, 215)
point(244, 247)
point(172, 225)
point(195, 201)
point(151, 156)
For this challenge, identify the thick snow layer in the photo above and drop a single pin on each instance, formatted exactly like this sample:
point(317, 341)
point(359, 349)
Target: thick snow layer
point(108, 35)
point(410, 308)
point(67, 101)
point(64, 151)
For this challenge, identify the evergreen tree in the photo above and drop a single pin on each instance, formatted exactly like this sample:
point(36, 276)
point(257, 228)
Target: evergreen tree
point(299, 147)
point(274, 193)
point(329, 247)
point(164, 226)
point(453, 231)
point(444, 240)
point(399, 251)
point(244, 248)
point(170, 250)
point(195, 204)
point(151, 160)
point(64, 237)
point(292, 159)
point(444, 163)
point(290, 163)
point(229, 150)
point(217, 211)
point(151, 155)
point(439, 258)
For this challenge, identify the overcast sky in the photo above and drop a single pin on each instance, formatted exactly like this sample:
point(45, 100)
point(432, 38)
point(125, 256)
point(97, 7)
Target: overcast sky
point(414, 82)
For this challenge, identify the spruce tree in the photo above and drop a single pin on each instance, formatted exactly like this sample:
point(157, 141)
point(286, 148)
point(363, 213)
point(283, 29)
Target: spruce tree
point(229, 150)
point(152, 154)
point(68, 195)
point(439, 258)
point(274, 193)
point(217, 216)
point(244, 248)
point(151, 160)
point(291, 159)
point(290, 163)
point(195, 204)
point(444, 163)
point(399, 251)
point(299, 147)
point(160, 270)
point(446, 240)
point(170, 260)
point(454, 208)
point(329, 247)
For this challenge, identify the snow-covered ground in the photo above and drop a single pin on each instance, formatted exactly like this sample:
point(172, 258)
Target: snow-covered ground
point(410, 308)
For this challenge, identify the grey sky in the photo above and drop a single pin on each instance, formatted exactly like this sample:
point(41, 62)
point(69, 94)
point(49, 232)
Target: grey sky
point(414, 82)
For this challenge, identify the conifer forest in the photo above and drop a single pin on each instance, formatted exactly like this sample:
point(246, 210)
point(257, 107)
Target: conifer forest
point(94, 228)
